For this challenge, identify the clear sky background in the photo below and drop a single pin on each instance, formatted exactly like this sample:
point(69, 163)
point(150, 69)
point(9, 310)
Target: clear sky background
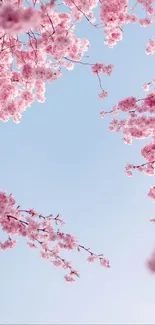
point(62, 159)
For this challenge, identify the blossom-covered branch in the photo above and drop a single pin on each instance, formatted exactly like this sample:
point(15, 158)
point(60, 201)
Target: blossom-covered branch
point(138, 123)
point(43, 232)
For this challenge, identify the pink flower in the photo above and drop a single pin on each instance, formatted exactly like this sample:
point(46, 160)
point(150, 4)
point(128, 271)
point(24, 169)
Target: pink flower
point(66, 265)
point(102, 113)
point(97, 68)
point(27, 71)
point(150, 49)
point(57, 263)
point(69, 278)
point(151, 193)
point(74, 272)
point(151, 263)
point(129, 173)
point(129, 168)
point(9, 17)
point(104, 263)
point(103, 94)
point(14, 19)
point(145, 21)
point(8, 244)
point(62, 42)
point(32, 212)
point(32, 245)
point(108, 69)
point(146, 87)
point(115, 110)
point(127, 104)
point(148, 152)
point(44, 254)
point(92, 258)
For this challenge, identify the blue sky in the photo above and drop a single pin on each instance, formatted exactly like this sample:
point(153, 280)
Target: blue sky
point(62, 159)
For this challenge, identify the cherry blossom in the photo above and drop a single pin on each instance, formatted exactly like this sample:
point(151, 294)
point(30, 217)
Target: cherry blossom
point(151, 263)
point(150, 49)
point(50, 45)
point(138, 122)
point(15, 19)
point(41, 232)
point(146, 87)
point(38, 41)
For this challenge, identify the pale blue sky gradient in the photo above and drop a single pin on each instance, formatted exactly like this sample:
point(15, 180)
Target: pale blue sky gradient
point(62, 159)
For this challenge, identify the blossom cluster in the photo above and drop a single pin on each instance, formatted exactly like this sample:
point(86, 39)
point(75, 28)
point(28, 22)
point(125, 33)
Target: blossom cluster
point(38, 39)
point(36, 43)
point(43, 232)
point(138, 123)
point(15, 19)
